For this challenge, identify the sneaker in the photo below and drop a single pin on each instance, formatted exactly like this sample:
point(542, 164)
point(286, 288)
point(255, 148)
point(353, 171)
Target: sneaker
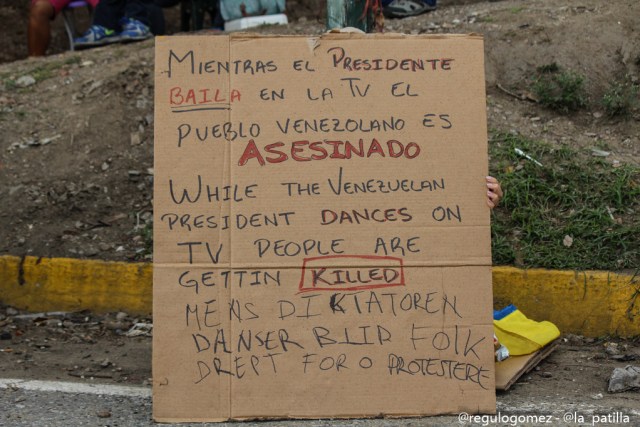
point(405, 8)
point(96, 35)
point(133, 30)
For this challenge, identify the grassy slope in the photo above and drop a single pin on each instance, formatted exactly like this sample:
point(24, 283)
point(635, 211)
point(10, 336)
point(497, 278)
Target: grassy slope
point(570, 211)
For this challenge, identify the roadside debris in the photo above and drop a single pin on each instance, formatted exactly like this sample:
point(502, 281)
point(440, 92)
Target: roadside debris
point(25, 81)
point(624, 379)
point(140, 329)
point(521, 153)
point(103, 413)
point(103, 346)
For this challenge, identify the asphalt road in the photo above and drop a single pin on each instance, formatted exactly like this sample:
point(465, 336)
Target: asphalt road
point(36, 403)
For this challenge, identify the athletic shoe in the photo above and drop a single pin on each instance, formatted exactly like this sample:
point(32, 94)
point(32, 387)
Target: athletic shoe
point(96, 35)
point(133, 30)
point(405, 8)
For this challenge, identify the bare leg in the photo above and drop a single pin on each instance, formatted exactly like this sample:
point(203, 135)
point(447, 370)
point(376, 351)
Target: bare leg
point(39, 31)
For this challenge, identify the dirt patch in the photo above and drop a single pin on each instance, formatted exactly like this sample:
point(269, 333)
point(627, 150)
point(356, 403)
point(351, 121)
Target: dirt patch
point(113, 348)
point(576, 376)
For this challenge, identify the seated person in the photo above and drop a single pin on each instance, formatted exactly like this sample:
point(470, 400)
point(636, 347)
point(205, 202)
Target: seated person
point(41, 13)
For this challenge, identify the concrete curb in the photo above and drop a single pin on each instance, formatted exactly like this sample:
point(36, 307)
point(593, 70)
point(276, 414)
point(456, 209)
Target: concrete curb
point(590, 303)
point(64, 284)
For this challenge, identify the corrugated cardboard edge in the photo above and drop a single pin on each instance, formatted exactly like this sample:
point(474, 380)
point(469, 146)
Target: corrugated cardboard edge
point(293, 418)
point(510, 370)
point(590, 303)
point(336, 36)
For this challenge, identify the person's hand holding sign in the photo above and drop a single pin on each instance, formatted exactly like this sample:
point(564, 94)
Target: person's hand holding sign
point(494, 192)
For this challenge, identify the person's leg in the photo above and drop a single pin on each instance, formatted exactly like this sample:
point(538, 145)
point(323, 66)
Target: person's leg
point(105, 25)
point(136, 22)
point(138, 10)
point(156, 19)
point(218, 20)
point(108, 14)
point(39, 30)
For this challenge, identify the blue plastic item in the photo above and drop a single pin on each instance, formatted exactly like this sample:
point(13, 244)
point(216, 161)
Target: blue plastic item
point(501, 314)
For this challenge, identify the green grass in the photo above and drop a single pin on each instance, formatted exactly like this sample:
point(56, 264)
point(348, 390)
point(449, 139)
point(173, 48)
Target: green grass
point(621, 99)
point(146, 232)
point(46, 71)
point(559, 90)
point(486, 18)
point(73, 60)
point(9, 84)
point(40, 73)
point(572, 194)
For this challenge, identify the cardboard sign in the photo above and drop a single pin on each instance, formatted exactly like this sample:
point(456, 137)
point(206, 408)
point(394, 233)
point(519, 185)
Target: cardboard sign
point(322, 241)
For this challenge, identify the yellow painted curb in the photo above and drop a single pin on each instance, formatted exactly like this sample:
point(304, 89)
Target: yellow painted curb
point(63, 284)
point(590, 303)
